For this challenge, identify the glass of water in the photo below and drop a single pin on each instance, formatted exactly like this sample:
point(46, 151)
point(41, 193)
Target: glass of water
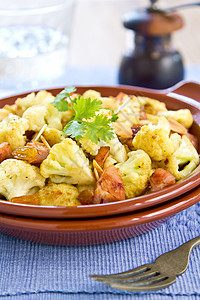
point(34, 42)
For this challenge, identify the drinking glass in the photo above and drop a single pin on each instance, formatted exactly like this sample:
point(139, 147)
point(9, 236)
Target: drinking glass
point(34, 42)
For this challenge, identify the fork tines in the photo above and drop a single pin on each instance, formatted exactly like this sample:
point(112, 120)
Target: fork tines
point(143, 278)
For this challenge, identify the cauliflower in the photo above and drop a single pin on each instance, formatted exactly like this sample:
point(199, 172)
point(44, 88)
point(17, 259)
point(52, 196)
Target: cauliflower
point(92, 94)
point(4, 112)
point(89, 146)
point(65, 116)
point(182, 116)
point(155, 140)
point(67, 163)
point(59, 195)
point(183, 161)
point(135, 173)
point(128, 112)
point(19, 178)
point(12, 130)
point(151, 106)
point(39, 115)
point(117, 150)
point(41, 98)
point(109, 102)
point(53, 136)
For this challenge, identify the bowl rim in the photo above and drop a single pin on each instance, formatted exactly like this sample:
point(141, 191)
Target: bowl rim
point(131, 219)
point(104, 209)
point(114, 208)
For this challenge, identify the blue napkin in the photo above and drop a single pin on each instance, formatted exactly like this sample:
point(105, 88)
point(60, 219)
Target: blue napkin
point(36, 271)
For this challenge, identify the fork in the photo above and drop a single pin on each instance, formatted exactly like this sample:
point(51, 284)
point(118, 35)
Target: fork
point(155, 276)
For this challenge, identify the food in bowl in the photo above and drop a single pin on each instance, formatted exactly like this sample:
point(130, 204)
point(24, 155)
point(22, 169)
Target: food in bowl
point(73, 149)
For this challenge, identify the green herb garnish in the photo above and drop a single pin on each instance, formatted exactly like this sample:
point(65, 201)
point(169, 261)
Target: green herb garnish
point(85, 120)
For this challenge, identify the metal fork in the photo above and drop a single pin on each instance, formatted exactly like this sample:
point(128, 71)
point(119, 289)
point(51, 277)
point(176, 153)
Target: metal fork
point(155, 276)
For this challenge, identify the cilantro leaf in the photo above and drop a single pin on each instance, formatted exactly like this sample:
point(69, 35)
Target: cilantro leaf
point(99, 129)
point(61, 105)
point(67, 91)
point(114, 117)
point(84, 120)
point(61, 101)
point(75, 129)
point(86, 108)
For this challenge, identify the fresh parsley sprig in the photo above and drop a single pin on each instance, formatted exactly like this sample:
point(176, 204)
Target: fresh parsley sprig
point(85, 120)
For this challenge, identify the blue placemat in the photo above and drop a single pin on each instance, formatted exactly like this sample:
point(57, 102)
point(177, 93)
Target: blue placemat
point(39, 271)
point(36, 271)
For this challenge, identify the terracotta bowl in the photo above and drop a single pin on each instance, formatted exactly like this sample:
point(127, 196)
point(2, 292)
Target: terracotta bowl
point(96, 230)
point(183, 95)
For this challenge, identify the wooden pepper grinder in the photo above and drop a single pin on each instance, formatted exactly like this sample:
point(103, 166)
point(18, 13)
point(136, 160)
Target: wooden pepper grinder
point(153, 63)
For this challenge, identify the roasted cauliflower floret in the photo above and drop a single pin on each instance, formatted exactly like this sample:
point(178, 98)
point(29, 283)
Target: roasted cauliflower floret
point(52, 194)
point(128, 112)
point(183, 161)
point(156, 141)
point(65, 116)
point(135, 173)
point(53, 136)
point(36, 117)
point(39, 115)
point(89, 146)
point(117, 150)
point(4, 112)
point(151, 106)
point(182, 116)
point(41, 98)
point(109, 102)
point(67, 163)
point(59, 195)
point(19, 178)
point(92, 94)
point(12, 130)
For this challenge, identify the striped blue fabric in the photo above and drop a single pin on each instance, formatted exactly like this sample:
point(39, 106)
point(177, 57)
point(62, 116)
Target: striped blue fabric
point(34, 269)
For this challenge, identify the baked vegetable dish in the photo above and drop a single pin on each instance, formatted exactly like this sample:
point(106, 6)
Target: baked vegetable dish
point(74, 149)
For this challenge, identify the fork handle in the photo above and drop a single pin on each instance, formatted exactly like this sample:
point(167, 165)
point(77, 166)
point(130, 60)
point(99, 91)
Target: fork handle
point(184, 252)
point(181, 255)
point(192, 243)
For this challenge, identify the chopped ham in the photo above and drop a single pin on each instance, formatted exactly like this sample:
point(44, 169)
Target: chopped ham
point(5, 151)
point(161, 179)
point(110, 187)
point(121, 96)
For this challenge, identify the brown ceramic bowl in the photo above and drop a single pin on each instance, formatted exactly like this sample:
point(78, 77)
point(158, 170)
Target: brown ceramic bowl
point(183, 95)
point(96, 230)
